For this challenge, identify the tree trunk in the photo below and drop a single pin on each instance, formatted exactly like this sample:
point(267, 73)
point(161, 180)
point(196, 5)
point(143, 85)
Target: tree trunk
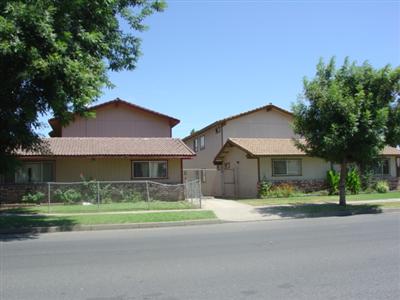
point(342, 183)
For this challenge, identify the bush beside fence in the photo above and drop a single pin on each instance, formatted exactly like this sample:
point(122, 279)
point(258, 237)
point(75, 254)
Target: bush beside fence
point(107, 192)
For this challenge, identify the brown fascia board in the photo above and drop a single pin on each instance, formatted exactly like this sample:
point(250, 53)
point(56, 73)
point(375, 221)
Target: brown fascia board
point(230, 143)
point(56, 126)
point(222, 121)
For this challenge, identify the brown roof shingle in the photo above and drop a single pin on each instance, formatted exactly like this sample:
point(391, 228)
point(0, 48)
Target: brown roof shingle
point(274, 147)
point(110, 146)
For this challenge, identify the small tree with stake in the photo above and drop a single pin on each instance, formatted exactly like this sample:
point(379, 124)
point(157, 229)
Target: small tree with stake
point(343, 115)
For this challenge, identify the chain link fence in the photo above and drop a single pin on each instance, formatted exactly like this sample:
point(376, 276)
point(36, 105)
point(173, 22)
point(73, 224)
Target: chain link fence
point(125, 195)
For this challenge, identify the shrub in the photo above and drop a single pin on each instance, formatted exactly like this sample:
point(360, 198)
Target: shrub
point(69, 196)
point(282, 190)
point(353, 181)
point(133, 196)
point(33, 198)
point(263, 188)
point(333, 178)
point(367, 179)
point(382, 186)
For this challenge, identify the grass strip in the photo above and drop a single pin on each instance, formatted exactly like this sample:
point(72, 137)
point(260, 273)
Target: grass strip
point(320, 199)
point(69, 221)
point(110, 207)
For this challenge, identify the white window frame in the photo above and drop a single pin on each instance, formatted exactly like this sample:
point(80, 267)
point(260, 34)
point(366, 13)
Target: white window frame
point(149, 162)
point(299, 173)
point(195, 145)
point(202, 142)
point(380, 166)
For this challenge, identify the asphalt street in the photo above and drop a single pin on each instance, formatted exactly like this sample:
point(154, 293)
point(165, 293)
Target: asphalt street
point(355, 257)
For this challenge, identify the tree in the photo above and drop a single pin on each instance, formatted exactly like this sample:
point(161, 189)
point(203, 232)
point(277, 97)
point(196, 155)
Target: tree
point(393, 136)
point(343, 115)
point(54, 57)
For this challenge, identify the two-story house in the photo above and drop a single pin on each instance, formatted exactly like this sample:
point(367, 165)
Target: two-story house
point(122, 142)
point(235, 153)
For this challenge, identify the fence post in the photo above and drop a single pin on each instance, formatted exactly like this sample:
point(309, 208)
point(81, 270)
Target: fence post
point(48, 197)
point(148, 194)
point(200, 193)
point(98, 194)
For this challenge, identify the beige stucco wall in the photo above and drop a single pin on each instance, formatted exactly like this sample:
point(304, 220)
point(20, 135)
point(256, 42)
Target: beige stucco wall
point(260, 124)
point(312, 168)
point(113, 169)
point(119, 121)
point(246, 174)
point(204, 158)
point(392, 166)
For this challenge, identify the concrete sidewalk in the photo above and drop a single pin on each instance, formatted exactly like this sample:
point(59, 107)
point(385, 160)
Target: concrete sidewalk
point(234, 211)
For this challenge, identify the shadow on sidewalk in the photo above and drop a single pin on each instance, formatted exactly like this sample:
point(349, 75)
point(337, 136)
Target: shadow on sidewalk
point(319, 210)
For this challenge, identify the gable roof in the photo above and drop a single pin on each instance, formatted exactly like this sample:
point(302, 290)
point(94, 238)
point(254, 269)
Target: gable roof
point(56, 125)
point(110, 146)
point(222, 121)
point(274, 147)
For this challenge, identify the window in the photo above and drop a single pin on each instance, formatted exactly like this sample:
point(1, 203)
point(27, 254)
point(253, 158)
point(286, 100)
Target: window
point(202, 142)
point(382, 167)
point(195, 145)
point(31, 172)
point(218, 129)
point(149, 169)
point(286, 167)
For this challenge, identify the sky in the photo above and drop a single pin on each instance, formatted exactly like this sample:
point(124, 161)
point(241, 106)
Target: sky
point(206, 60)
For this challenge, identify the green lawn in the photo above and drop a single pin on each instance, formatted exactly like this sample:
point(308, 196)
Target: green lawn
point(66, 222)
point(319, 199)
point(78, 208)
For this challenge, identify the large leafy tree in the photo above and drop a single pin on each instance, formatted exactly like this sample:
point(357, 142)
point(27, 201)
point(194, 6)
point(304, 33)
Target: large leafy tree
point(54, 57)
point(346, 114)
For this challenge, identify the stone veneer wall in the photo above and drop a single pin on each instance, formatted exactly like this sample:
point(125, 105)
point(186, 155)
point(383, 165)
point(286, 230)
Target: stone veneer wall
point(309, 185)
point(317, 185)
point(12, 193)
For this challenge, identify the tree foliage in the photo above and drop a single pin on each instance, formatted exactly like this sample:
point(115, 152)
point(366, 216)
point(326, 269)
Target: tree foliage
point(54, 57)
point(346, 114)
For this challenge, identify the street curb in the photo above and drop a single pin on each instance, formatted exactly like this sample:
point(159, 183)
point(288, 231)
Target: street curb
point(107, 226)
point(52, 229)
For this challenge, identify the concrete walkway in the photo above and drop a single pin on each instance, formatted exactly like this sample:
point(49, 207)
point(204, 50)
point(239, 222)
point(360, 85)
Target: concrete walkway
point(230, 210)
